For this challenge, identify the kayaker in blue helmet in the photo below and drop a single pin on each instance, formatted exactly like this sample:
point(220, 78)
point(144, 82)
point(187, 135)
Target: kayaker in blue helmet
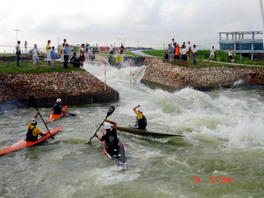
point(141, 119)
point(33, 131)
point(110, 137)
point(57, 108)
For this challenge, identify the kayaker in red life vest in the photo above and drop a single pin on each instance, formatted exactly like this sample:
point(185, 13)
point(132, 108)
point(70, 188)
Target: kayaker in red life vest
point(57, 108)
point(33, 131)
point(110, 137)
point(141, 119)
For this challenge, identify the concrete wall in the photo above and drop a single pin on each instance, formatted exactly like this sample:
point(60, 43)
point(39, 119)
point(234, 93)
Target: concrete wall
point(170, 77)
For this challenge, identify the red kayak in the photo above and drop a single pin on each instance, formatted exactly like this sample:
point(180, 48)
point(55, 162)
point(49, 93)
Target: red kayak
point(120, 159)
point(23, 143)
point(53, 116)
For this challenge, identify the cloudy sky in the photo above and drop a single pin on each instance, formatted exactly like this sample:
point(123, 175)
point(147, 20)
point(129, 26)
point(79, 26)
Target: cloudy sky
point(148, 23)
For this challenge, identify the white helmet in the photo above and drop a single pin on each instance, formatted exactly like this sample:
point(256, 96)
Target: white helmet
point(58, 100)
point(139, 109)
point(33, 121)
point(107, 125)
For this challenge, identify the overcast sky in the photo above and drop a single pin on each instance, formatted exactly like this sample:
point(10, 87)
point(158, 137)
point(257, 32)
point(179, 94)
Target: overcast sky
point(148, 23)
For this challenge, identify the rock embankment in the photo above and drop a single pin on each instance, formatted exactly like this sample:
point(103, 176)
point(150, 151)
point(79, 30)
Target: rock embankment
point(171, 77)
point(75, 88)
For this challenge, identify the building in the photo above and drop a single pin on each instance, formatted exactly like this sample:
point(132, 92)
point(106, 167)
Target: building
point(242, 42)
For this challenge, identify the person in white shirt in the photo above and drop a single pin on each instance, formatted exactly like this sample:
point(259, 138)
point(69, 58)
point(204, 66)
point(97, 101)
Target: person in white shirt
point(230, 54)
point(35, 58)
point(212, 54)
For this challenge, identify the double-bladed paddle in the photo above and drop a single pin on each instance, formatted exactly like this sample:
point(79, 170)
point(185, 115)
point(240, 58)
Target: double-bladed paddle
point(109, 112)
point(33, 102)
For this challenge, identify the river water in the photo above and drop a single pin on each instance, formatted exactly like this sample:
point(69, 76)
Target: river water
point(223, 143)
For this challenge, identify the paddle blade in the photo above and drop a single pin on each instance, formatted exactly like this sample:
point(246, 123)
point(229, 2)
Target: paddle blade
point(72, 114)
point(110, 111)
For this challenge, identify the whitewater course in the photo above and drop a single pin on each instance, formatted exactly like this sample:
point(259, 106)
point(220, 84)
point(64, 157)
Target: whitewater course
point(221, 155)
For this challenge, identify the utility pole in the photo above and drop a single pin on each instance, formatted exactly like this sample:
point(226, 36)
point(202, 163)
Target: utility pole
point(262, 14)
point(16, 34)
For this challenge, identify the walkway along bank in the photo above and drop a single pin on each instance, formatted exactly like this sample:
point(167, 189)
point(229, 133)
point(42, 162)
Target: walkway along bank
point(159, 74)
point(75, 88)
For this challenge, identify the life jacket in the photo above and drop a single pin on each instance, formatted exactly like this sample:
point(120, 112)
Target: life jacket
point(30, 137)
point(142, 123)
point(56, 109)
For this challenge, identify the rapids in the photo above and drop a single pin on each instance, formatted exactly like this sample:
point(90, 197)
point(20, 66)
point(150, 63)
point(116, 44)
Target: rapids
point(223, 142)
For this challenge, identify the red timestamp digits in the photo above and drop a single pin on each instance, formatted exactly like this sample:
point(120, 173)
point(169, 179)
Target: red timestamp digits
point(196, 180)
point(220, 180)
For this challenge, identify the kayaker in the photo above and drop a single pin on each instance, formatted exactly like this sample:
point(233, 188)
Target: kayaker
point(57, 108)
point(33, 131)
point(141, 119)
point(110, 137)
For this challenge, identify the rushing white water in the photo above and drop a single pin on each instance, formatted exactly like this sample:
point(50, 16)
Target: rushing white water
point(223, 132)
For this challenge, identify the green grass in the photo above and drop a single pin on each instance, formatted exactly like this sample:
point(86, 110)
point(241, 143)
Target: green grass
point(8, 67)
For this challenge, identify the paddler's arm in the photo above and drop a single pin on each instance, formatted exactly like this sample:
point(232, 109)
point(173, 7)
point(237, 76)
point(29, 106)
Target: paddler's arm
point(95, 135)
point(112, 122)
point(134, 109)
point(36, 115)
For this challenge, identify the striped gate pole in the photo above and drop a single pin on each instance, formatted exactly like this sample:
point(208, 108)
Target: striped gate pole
point(105, 77)
point(130, 71)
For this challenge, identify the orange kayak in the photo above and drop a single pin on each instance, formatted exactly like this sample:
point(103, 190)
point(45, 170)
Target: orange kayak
point(23, 143)
point(53, 116)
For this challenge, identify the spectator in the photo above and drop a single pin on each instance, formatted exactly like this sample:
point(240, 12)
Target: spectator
point(111, 49)
point(82, 57)
point(62, 54)
point(48, 49)
point(170, 51)
point(212, 54)
point(25, 44)
point(35, 58)
point(122, 48)
point(194, 52)
point(53, 56)
point(230, 54)
point(177, 53)
point(188, 49)
point(74, 61)
point(18, 53)
point(66, 55)
point(184, 55)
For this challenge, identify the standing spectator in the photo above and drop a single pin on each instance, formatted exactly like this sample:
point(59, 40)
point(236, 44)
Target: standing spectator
point(230, 54)
point(48, 49)
point(64, 41)
point(194, 52)
point(170, 54)
point(184, 55)
point(212, 54)
point(25, 44)
point(188, 49)
point(53, 56)
point(18, 53)
point(173, 46)
point(35, 58)
point(66, 55)
point(89, 48)
point(177, 53)
point(62, 54)
point(82, 57)
point(122, 48)
point(97, 47)
point(86, 47)
point(111, 49)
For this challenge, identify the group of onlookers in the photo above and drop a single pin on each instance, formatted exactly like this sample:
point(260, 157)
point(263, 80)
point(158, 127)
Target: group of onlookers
point(181, 53)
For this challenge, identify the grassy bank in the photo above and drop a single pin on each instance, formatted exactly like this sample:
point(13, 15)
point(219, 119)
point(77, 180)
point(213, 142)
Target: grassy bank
point(7, 67)
point(220, 56)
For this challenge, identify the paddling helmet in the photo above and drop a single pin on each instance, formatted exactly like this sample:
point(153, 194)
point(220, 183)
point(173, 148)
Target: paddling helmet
point(107, 125)
point(58, 100)
point(33, 121)
point(139, 109)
